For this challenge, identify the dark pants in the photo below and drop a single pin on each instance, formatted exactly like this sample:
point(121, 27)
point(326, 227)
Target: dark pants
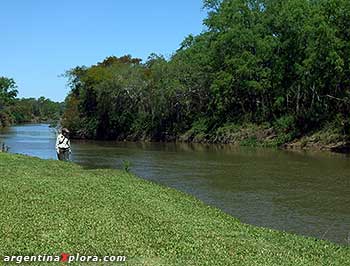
point(63, 155)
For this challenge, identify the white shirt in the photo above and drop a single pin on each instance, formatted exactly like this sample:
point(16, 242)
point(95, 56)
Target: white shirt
point(62, 142)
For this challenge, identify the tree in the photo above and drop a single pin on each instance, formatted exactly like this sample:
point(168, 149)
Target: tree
point(8, 91)
point(283, 63)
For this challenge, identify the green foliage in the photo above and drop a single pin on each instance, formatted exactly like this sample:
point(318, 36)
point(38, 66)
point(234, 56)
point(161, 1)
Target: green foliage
point(285, 124)
point(263, 61)
point(198, 132)
point(200, 126)
point(286, 129)
point(14, 110)
point(341, 124)
point(250, 142)
point(8, 93)
point(126, 165)
point(38, 110)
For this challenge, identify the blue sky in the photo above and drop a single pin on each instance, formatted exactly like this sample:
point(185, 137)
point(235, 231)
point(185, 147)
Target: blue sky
point(41, 39)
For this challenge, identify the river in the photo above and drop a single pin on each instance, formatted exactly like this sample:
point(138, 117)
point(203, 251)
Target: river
point(306, 193)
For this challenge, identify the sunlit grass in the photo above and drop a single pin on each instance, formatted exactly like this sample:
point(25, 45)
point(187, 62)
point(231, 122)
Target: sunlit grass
point(50, 207)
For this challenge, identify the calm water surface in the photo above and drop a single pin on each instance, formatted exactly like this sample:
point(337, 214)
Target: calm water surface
point(304, 193)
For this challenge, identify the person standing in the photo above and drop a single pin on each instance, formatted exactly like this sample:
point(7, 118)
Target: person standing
point(63, 148)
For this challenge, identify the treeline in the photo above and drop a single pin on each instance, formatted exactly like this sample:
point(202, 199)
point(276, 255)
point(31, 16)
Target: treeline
point(279, 64)
point(37, 110)
point(14, 110)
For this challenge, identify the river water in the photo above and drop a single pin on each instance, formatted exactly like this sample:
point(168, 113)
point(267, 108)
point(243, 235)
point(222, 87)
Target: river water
point(304, 193)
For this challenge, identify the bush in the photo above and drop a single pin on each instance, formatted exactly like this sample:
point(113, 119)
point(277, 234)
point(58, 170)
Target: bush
point(285, 124)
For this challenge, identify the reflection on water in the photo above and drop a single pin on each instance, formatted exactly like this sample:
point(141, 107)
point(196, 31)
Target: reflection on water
point(305, 193)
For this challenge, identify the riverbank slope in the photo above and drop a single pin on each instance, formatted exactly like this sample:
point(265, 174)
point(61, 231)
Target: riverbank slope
point(50, 207)
point(328, 138)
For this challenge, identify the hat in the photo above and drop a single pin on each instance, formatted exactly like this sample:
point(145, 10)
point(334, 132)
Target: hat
point(65, 130)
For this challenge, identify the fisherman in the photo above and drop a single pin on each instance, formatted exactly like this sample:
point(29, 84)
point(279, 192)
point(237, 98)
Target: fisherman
point(63, 148)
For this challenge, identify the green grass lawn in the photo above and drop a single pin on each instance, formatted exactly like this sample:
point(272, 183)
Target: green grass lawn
point(50, 207)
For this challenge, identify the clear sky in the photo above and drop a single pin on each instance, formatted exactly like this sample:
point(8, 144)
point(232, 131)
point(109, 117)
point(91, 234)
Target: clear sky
point(41, 39)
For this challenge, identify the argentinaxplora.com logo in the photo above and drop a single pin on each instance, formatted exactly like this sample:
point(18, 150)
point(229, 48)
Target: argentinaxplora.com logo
point(63, 257)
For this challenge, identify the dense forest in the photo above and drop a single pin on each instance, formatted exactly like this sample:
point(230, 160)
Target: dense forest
point(262, 71)
point(14, 110)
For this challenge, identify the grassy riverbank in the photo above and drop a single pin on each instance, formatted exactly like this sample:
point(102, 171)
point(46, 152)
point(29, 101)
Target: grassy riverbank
point(50, 207)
